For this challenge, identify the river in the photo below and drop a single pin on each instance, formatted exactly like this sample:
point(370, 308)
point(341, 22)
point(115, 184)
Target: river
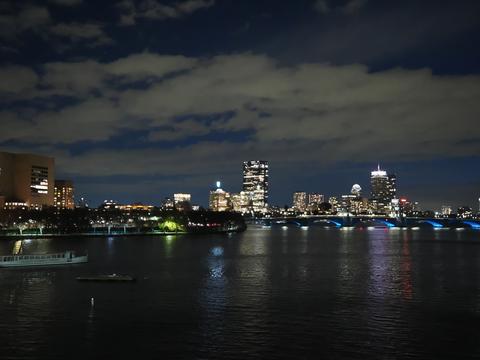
point(294, 293)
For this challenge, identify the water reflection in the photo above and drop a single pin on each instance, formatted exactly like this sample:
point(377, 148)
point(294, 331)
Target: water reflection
point(406, 269)
point(169, 241)
point(260, 294)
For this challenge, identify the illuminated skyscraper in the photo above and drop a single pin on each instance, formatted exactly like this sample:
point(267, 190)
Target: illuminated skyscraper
point(219, 199)
point(64, 194)
point(255, 184)
point(27, 179)
point(300, 201)
point(182, 201)
point(383, 190)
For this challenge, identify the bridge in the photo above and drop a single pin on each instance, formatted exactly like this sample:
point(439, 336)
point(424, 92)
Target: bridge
point(368, 221)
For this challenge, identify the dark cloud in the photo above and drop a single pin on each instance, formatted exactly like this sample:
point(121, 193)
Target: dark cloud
point(157, 10)
point(344, 111)
point(94, 34)
point(28, 17)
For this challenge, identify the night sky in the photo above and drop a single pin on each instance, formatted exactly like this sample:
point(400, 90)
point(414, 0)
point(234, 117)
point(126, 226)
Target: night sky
point(137, 100)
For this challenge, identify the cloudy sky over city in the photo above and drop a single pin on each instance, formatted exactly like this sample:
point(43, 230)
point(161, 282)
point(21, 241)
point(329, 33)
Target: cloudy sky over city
point(140, 99)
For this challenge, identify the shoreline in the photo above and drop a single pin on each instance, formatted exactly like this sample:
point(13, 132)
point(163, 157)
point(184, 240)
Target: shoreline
point(162, 233)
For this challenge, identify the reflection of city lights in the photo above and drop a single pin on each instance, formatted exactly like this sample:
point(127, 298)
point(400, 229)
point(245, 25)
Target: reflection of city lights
point(217, 251)
point(284, 227)
point(304, 227)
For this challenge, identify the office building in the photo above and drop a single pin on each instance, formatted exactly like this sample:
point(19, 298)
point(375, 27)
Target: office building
point(182, 201)
point(255, 185)
point(219, 199)
point(27, 179)
point(240, 202)
point(168, 204)
point(383, 190)
point(63, 194)
point(300, 201)
point(446, 210)
point(180, 197)
point(314, 201)
point(333, 201)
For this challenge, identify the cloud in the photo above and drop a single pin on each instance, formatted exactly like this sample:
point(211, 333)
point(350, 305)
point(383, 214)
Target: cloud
point(214, 110)
point(16, 22)
point(16, 79)
point(29, 17)
point(156, 10)
point(75, 32)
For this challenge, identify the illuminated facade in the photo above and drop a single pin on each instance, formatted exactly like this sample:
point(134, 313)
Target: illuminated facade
point(383, 190)
point(315, 199)
point(255, 185)
point(300, 201)
point(182, 201)
point(27, 179)
point(180, 197)
point(135, 207)
point(333, 201)
point(240, 202)
point(219, 200)
point(447, 210)
point(63, 194)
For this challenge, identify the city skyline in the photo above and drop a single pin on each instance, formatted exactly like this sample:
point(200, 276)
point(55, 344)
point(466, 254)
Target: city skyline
point(142, 99)
point(20, 183)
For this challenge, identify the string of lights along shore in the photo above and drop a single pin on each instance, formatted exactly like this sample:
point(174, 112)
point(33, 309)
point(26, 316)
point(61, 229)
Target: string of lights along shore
point(28, 181)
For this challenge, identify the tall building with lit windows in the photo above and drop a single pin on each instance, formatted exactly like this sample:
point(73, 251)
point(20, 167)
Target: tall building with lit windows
point(255, 185)
point(64, 198)
point(300, 201)
point(219, 199)
point(384, 190)
point(26, 179)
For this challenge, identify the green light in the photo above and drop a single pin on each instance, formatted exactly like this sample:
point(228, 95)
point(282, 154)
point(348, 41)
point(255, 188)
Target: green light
point(171, 226)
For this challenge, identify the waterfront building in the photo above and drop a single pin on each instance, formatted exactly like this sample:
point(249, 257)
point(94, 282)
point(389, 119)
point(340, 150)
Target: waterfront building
point(135, 207)
point(182, 201)
point(219, 199)
point(383, 190)
point(240, 202)
point(314, 201)
point(333, 201)
point(408, 208)
point(255, 185)
point(109, 205)
point(181, 197)
point(300, 201)
point(27, 179)
point(464, 212)
point(168, 204)
point(446, 210)
point(64, 194)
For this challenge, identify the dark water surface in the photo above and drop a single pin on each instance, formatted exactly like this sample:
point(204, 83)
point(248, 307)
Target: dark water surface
point(292, 294)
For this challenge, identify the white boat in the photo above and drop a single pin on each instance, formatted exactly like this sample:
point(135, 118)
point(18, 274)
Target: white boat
point(68, 257)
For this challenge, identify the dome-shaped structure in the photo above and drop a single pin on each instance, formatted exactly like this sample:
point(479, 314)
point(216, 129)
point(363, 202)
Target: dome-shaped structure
point(356, 189)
